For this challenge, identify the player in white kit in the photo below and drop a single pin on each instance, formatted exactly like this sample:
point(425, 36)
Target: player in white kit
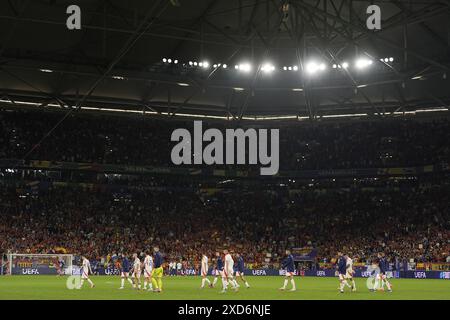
point(86, 268)
point(148, 267)
point(136, 275)
point(350, 272)
point(229, 271)
point(204, 271)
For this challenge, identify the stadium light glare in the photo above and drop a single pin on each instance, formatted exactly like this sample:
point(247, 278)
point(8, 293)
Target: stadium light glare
point(238, 89)
point(205, 64)
point(285, 68)
point(46, 70)
point(182, 84)
point(267, 68)
point(345, 65)
point(363, 63)
point(245, 67)
point(191, 63)
point(224, 66)
point(295, 68)
point(312, 67)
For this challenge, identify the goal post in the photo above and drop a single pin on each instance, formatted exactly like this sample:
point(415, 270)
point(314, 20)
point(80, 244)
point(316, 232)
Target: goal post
point(36, 264)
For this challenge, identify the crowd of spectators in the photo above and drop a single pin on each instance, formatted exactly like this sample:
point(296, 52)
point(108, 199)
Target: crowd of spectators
point(260, 225)
point(144, 141)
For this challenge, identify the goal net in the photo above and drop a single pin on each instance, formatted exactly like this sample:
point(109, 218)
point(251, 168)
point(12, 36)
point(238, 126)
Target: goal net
point(33, 264)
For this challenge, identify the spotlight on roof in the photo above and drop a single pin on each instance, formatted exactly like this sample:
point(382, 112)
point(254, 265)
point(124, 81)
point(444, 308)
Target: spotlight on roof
point(391, 59)
point(312, 67)
point(246, 67)
point(267, 68)
point(345, 65)
point(175, 61)
point(169, 60)
point(118, 78)
point(182, 84)
point(386, 59)
point(164, 60)
point(204, 64)
point(236, 67)
point(214, 66)
point(285, 68)
point(195, 63)
point(224, 66)
point(363, 63)
point(46, 70)
point(334, 66)
point(239, 89)
point(191, 63)
point(295, 68)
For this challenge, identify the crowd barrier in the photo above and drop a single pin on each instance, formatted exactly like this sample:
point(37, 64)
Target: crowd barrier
point(360, 273)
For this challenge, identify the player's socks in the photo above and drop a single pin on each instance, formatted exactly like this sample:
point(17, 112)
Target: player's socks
point(155, 284)
point(353, 285)
point(160, 285)
point(346, 283)
point(375, 286)
point(341, 287)
point(122, 282)
point(388, 285)
point(214, 282)
point(284, 284)
point(207, 280)
point(203, 283)
point(81, 283)
point(130, 281)
point(90, 282)
point(145, 284)
point(293, 285)
point(224, 284)
point(247, 285)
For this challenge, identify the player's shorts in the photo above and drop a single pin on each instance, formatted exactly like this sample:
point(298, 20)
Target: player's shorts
point(219, 273)
point(147, 273)
point(349, 274)
point(228, 273)
point(204, 273)
point(290, 274)
point(84, 275)
point(157, 272)
point(381, 276)
point(124, 274)
point(136, 274)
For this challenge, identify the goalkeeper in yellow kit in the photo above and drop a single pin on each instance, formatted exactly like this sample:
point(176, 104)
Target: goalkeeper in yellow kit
point(157, 272)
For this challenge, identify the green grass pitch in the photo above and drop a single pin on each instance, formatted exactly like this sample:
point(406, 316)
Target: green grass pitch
point(187, 288)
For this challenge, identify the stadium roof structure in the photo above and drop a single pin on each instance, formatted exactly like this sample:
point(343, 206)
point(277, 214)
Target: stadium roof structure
point(119, 60)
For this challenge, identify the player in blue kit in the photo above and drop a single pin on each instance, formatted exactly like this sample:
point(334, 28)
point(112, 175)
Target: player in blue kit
point(218, 271)
point(124, 271)
point(342, 271)
point(381, 277)
point(289, 265)
point(240, 270)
